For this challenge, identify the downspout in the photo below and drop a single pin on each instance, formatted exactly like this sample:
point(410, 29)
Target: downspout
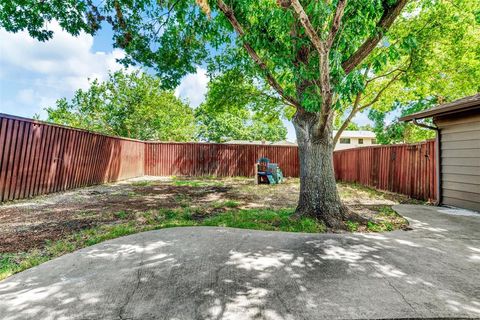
point(437, 158)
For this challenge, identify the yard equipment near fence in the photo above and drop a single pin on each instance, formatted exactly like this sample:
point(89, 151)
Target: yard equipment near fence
point(267, 173)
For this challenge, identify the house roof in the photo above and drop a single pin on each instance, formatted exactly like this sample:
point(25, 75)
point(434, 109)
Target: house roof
point(284, 143)
point(356, 134)
point(245, 142)
point(459, 105)
point(345, 134)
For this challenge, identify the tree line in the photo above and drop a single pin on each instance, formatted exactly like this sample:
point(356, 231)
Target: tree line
point(134, 105)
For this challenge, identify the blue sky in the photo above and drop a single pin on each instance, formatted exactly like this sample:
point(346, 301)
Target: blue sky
point(33, 74)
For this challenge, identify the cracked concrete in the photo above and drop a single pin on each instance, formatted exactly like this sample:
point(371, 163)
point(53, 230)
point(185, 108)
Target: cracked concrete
point(217, 273)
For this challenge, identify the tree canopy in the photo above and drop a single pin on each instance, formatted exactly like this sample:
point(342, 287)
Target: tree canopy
point(130, 105)
point(235, 108)
point(427, 60)
point(276, 42)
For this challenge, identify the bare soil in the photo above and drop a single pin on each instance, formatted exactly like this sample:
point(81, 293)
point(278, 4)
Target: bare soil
point(28, 224)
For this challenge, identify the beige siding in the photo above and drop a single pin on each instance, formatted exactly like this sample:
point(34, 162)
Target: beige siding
point(460, 159)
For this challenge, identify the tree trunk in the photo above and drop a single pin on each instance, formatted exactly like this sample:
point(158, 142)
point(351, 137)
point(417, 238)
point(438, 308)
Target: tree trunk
point(318, 190)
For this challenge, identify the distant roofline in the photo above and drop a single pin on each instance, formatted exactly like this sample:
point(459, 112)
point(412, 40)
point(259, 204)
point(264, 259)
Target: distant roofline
point(464, 104)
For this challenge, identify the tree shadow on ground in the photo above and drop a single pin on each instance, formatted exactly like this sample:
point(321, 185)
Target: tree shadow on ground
point(217, 273)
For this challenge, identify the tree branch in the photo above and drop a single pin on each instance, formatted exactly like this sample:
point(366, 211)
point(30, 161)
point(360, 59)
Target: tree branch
point(385, 22)
point(354, 111)
point(309, 29)
point(380, 92)
point(357, 107)
point(229, 14)
point(337, 20)
point(385, 74)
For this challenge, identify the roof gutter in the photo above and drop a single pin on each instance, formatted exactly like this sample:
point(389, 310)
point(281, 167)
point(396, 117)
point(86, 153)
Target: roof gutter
point(438, 181)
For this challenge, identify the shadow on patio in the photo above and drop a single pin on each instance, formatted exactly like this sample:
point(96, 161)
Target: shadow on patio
point(216, 273)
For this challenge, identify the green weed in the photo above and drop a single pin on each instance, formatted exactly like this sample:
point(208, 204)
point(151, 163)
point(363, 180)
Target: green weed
point(122, 215)
point(226, 204)
point(352, 226)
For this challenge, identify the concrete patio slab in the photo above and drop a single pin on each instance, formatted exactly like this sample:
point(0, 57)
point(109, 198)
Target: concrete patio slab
point(432, 271)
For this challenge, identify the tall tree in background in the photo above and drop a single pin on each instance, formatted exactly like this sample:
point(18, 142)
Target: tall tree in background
point(130, 105)
point(314, 54)
point(236, 108)
point(426, 60)
point(445, 67)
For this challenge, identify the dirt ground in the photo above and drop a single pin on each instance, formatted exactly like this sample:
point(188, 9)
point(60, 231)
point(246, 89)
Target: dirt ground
point(27, 224)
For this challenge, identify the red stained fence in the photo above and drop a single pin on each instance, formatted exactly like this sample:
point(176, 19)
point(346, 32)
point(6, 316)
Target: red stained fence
point(407, 169)
point(39, 158)
point(197, 159)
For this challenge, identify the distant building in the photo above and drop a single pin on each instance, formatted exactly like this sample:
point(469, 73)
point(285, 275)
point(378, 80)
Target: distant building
point(348, 139)
point(354, 139)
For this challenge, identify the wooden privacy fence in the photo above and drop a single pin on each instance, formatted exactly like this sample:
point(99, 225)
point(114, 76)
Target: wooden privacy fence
point(407, 169)
point(39, 158)
point(197, 159)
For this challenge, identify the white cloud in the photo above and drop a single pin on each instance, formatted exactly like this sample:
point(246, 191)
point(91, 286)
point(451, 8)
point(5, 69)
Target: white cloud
point(35, 74)
point(193, 87)
point(26, 96)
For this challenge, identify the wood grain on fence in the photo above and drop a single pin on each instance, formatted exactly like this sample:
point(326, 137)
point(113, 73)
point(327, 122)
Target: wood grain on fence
point(39, 158)
point(198, 159)
point(407, 168)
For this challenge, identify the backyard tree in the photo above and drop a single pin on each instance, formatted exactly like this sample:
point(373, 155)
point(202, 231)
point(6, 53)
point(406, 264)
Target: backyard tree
point(235, 108)
point(440, 63)
point(316, 55)
point(130, 105)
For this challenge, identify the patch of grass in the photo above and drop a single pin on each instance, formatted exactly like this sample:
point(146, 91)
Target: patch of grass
point(380, 226)
point(123, 215)
point(183, 200)
point(226, 204)
point(231, 204)
point(196, 183)
point(388, 220)
point(351, 190)
point(352, 226)
point(275, 220)
point(387, 211)
point(12, 263)
point(142, 183)
point(97, 235)
point(209, 177)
